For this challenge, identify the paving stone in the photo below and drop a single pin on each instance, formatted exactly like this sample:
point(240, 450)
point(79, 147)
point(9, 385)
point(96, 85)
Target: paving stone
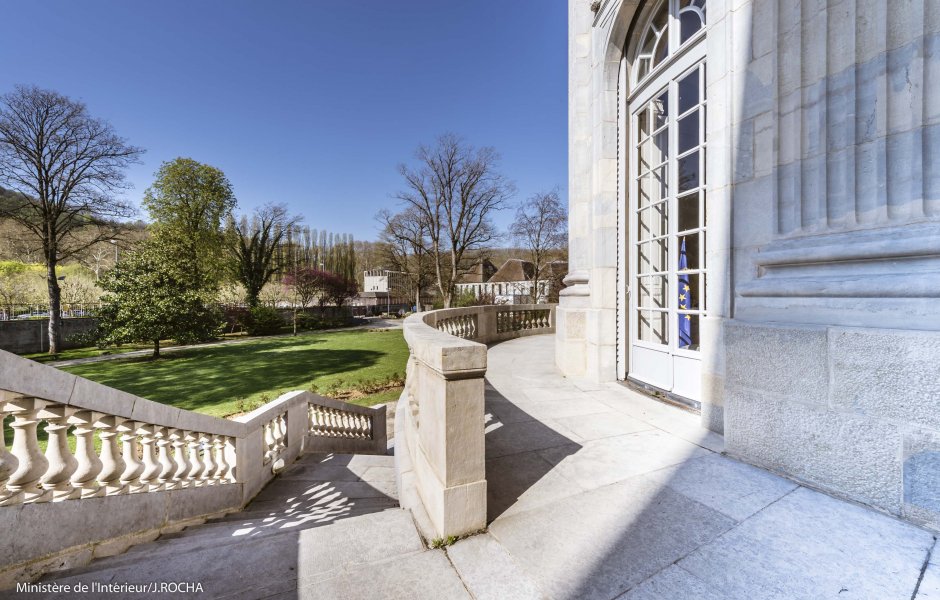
point(489, 572)
point(513, 438)
point(415, 577)
point(605, 461)
point(328, 551)
point(602, 425)
point(809, 545)
point(930, 585)
point(672, 582)
point(599, 544)
point(731, 487)
point(522, 481)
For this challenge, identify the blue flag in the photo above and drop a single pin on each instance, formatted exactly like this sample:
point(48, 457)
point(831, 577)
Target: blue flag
point(685, 300)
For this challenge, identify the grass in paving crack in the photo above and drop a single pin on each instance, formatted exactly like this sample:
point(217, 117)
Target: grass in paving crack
point(364, 367)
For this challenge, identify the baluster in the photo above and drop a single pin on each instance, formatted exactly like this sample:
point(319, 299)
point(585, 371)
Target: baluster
point(208, 471)
point(229, 453)
point(180, 462)
point(61, 462)
point(167, 467)
point(89, 465)
point(133, 467)
point(283, 426)
point(149, 479)
point(218, 445)
point(23, 484)
point(194, 475)
point(112, 464)
point(268, 442)
point(8, 462)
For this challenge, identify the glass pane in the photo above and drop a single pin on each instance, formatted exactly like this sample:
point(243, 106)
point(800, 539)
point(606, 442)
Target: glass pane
point(643, 258)
point(659, 219)
point(660, 149)
point(643, 292)
point(660, 325)
point(644, 152)
point(660, 108)
point(688, 252)
point(645, 191)
point(659, 184)
point(688, 91)
point(691, 20)
point(643, 224)
point(688, 295)
point(688, 211)
point(687, 329)
point(688, 132)
point(643, 123)
point(658, 291)
point(644, 329)
point(658, 255)
point(688, 172)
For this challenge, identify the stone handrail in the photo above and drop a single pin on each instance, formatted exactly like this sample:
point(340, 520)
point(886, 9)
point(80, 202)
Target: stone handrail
point(439, 443)
point(159, 468)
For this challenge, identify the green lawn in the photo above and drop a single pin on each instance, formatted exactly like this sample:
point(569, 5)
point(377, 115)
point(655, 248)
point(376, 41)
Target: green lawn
point(234, 378)
point(223, 380)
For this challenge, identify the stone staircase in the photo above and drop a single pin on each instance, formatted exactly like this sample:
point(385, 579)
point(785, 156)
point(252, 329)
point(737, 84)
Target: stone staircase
point(321, 528)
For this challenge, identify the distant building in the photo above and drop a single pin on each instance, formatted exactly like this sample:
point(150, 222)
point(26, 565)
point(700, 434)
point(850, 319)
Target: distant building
point(514, 281)
point(384, 289)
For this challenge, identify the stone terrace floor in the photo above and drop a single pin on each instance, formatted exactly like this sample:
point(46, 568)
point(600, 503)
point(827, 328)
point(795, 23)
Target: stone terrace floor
point(600, 492)
point(595, 492)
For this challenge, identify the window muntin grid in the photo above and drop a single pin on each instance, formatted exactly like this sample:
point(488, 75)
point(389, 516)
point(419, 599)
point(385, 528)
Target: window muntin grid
point(668, 180)
point(671, 25)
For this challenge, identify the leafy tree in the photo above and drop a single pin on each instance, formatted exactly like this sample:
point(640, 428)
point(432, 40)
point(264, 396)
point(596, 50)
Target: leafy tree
point(541, 227)
point(149, 298)
point(455, 189)
point(253, 244)
point(64, 168)
point(188, 203)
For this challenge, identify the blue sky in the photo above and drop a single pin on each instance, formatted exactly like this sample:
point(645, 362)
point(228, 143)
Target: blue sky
point(309, 103)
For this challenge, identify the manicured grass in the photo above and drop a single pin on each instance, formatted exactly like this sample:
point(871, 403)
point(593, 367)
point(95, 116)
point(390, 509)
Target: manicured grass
point(223, 380)
point(93, 351)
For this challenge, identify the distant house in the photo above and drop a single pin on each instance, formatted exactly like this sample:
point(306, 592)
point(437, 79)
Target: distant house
point(513, 282)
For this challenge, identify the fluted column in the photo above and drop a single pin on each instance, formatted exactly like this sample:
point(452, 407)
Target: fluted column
point(62, 464)
point(89, 465)
point(112, 463)
point(23, 484)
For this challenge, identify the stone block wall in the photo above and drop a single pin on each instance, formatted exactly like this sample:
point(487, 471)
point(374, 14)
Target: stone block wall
point(854, 411)
point(32, 336)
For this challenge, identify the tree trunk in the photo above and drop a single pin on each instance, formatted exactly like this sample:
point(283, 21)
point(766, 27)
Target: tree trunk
point(55, 303)
point(295, 320)
point(156, 349)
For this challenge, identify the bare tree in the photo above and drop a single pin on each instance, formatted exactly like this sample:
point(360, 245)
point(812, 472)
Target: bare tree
point(406, 243)
point(541, 227)
point(64, 167)
point(253, 243)
point(455, 188)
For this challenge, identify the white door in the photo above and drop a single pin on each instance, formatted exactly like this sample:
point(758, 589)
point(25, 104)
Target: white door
point(666, 220)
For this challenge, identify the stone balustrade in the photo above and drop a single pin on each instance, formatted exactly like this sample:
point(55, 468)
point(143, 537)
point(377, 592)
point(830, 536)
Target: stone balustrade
point(129, 469)
point(439, 443)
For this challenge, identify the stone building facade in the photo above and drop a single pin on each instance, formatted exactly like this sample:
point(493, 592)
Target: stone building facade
point(755, 227)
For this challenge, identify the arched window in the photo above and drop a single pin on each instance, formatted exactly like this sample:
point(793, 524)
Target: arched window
point(666, 216)
point(670, 26)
